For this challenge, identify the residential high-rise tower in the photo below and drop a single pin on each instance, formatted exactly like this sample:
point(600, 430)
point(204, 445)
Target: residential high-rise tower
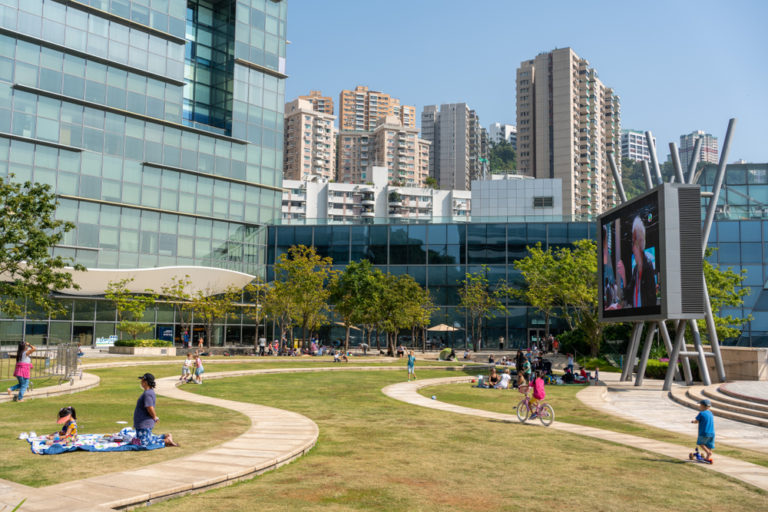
point(310, 142)
point(459, 144)
point(363, 109)
point(319, 102)
point(708, 153)
point(567, 121)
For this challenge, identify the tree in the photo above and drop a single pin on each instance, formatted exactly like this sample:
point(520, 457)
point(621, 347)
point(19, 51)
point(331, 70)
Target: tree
point(566, 279)
point(400, 304)
point(502, 158)
point(211, 308)
point(538, 269)
point(724, 287)
point(130, 307)
point(178, 294)
point(352, 294)
point(28, 232)
point(256, 292)
point(307, 277)
point(577, 285)
point(278, 305)
point(431, 182)
point(480, 302)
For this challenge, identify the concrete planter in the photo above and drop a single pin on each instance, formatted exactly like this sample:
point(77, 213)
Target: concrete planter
point(144, 351)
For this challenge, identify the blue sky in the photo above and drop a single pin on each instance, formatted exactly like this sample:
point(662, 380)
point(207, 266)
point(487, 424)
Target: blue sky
point(677, 66)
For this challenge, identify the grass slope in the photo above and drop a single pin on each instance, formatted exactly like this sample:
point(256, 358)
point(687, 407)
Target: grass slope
point(375, 453)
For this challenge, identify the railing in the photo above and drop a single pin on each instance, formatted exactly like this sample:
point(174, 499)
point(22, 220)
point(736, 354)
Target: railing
point(58, 362)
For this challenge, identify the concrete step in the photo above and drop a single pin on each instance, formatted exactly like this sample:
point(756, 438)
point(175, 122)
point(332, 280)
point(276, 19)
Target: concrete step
point(697, 393)
point(713, 393)
point(680, 395)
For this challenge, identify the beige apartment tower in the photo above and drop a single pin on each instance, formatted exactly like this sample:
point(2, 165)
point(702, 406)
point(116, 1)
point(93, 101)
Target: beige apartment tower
point(310, 142)
point(363, 109)
point(391, 145)
point(567, 121)
point(319, 102)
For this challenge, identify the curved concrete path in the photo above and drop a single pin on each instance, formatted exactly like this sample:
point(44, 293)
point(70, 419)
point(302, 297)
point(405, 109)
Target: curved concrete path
point(85, 381)
point(740, 470)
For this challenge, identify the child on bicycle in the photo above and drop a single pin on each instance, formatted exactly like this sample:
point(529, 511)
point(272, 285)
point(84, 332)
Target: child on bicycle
point(539, 393)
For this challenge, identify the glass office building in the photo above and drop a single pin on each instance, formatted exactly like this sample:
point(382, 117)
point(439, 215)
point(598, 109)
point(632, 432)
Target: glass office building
point(159, 125)
point(438, 256)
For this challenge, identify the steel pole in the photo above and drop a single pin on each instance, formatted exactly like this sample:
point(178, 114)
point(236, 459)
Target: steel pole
point(616, 177)
point(668, 345)
point(647, 174)
point(712, 332)
point(629, 358)
point(654, 158)
point(671, 369)
point(703, 370)
point(694, 160)
point(676, 162)
point(646, 353)
point(719, 177)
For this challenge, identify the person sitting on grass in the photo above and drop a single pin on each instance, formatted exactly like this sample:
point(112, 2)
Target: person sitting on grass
point(539, 393)
point(584, 373)
point(493, 378)
point(506, 378)
point(68, 421)
point(706, 421)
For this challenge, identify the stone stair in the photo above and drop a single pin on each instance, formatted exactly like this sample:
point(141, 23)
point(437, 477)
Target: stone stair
point(725, 404)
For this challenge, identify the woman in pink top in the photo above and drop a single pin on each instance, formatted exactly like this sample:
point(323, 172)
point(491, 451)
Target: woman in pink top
point(22, 372)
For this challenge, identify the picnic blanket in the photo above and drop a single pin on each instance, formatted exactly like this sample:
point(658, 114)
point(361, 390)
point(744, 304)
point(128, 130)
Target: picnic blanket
point(122, 441)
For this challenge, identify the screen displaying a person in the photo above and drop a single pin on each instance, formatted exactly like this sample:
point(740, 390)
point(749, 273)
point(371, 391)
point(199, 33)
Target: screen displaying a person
point(640, 290)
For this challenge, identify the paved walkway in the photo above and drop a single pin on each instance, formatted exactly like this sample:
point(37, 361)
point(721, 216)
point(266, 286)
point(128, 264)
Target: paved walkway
point(86, 381)
point(744, 471)
point(650, 405)
point(754, 389)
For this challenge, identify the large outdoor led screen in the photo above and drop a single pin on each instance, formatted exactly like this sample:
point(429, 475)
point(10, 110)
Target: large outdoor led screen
point(631, 260)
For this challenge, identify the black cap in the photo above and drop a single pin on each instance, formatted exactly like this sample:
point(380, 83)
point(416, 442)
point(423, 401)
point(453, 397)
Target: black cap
point(149, 378)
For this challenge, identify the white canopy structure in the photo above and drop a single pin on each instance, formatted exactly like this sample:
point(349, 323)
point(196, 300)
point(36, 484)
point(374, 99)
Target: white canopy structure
point(210, 280)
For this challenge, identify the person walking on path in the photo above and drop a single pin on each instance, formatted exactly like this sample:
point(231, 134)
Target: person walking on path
point(200, 342)
point(23, 370)
point(706, 421)
point(145, 418)
point(411, 365)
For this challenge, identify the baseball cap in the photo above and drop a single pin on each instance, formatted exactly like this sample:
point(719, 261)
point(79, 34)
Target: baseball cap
point(705, 402)
point(149, 378)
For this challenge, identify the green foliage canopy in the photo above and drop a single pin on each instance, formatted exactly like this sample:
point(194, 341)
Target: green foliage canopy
point(28, 233)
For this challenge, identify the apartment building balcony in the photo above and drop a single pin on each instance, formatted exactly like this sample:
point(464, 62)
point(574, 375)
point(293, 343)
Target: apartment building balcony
point(368, 214)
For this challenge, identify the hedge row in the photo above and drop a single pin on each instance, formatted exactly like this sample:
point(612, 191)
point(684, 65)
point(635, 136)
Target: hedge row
point(143, 343)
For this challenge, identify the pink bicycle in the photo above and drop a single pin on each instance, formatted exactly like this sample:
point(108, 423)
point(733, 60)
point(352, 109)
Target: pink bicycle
point(543, 410)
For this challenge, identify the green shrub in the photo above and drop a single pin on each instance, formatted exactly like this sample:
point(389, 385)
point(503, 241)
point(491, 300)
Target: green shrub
point(143, 343)
point(658, 369)
point(590, 363)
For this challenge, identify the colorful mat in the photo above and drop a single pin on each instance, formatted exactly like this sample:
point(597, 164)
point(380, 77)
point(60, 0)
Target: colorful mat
point(122, 441)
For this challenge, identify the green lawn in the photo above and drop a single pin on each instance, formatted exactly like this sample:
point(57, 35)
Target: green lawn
point(113, 400)
point(376, 453)
point(570, 409)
